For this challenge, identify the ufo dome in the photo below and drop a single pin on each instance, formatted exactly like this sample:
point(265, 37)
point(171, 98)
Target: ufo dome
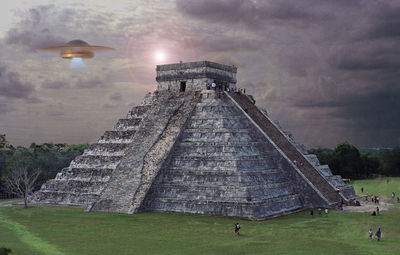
point(77, 43)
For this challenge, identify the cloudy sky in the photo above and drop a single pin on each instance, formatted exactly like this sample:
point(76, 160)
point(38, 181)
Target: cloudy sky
point(328, 71)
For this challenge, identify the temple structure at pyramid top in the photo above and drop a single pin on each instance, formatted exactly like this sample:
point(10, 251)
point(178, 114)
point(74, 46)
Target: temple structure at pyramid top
point(193, 148)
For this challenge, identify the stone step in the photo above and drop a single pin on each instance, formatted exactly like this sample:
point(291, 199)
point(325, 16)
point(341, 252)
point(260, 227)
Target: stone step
point(106, 149)
point(216, 137)
point(199, 130)
point(325, 170)
point(222, 158)
point(188, 144)
point(65, 197)
point(335, 180)
point(138, 111)
point(74, 186)
point(85, 174)
point(207, 151)
point(233, 192)
point(127, 124)
point(245, 178)
point(208, 164)
point(115, 141)
point(115, 135)
point(217, 124)
point(217, 118)
point(251, 209)
point(218, 108)
point(89, 161)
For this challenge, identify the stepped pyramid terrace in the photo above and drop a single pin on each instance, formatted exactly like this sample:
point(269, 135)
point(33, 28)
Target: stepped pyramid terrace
point(190, 149)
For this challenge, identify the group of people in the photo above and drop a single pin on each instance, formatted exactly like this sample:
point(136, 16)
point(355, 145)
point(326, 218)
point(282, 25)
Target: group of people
point(319, 212)
point(378, 234)
point(376, 213)
point(220, 87)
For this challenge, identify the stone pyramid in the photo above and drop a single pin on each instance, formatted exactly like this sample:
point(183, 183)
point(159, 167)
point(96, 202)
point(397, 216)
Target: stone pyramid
point(190, 149)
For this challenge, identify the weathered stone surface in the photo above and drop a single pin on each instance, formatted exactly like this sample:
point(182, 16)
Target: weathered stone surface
point(198, 151)
point(153, 141)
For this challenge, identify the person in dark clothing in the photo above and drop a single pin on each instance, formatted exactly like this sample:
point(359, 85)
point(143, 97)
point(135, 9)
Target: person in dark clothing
point(378, 234)
point(237, 228)
point(377, 210)
point(312, 213)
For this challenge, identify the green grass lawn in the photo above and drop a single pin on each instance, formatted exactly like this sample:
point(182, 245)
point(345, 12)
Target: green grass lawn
point(379, 187)
point(69, 230)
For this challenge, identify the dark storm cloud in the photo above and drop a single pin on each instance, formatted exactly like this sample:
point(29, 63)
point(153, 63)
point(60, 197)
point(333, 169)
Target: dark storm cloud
point(12, 87)
point(254, 14)
point(387, 22)
point(339, 58)
point(226, 43)
point(34, 30)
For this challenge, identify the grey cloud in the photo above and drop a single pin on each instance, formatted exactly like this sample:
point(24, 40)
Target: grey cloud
point(116, 97)
point(254, 14)
point(11, 86)
point(226, 43)
point(386, 22)
point(4, 108)
point(55, 84)
point(34, 31)
point(89, 83)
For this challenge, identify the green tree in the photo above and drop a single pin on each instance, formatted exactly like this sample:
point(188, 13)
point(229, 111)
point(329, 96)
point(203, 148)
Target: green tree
point(346, 161)
point(4, 250)
point(391, 162)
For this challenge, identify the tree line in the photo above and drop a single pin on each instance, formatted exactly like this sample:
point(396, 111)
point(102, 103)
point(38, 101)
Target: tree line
point(48, 159)
point(44, 160)
point(349, 162)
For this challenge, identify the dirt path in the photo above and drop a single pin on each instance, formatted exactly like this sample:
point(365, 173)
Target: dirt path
point(369, 206)
point(10, 202)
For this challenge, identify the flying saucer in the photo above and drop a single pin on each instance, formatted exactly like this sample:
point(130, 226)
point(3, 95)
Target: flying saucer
point(76, 49)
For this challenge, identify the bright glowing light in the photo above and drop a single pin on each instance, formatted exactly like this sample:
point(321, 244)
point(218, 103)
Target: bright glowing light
point(160, 56)
point(77, 64)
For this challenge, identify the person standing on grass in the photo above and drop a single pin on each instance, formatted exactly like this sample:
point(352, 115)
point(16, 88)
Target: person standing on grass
point(319, 211)
point(326, 211)
point(378, 234)
point(312, 213)
point(237, 227)
point(362, 189)
point(371, 234)
point(377, 210)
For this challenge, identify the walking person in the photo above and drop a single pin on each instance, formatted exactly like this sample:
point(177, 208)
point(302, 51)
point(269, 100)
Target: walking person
point(377, 210)
point(326, 211)
point(237, 227)
point(371, 234)
point(378, 234)
point(312, 213)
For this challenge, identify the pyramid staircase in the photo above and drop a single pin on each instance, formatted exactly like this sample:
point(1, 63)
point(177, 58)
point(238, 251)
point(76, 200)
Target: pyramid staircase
point(331, 188)
point(207, 152)
point(221, 165)
point(87, 175)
